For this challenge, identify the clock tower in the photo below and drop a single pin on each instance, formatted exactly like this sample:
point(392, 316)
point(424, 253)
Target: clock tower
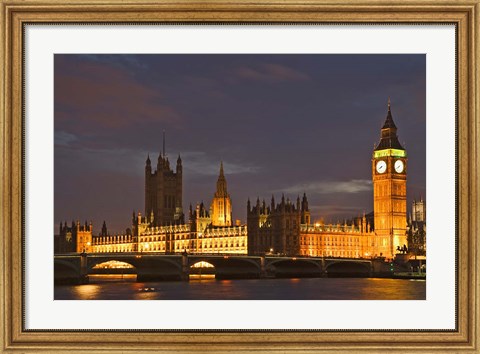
point(389, 175)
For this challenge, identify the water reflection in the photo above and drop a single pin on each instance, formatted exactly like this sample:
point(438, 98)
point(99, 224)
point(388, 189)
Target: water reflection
point(250, 289)
point(147, 293)
point(104, 278)
point(202, 277)
point(87, 291)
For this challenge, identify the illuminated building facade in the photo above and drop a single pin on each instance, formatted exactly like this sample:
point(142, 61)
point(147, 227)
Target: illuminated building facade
point(176, 238)
point(353, 239)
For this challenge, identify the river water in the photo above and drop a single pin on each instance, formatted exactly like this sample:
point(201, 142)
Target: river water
point(125, 288)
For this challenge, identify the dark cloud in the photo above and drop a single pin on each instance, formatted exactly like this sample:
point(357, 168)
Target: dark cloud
point(201, 163)
point(330, 187)
point(271, 73)
point(93, 95)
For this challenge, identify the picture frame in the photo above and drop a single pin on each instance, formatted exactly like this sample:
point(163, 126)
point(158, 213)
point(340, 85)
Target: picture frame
point(15, 14)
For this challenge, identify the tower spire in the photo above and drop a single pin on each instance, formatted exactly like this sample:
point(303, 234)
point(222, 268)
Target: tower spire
point(388, 137)
point(221, 183)
point(163, 151)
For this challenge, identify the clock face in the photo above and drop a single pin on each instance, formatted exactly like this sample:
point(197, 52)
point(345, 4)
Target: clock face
point(399, 166)
point(381, 166)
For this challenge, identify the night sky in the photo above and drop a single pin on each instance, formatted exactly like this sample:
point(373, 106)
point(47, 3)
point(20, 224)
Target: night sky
point(280, 124)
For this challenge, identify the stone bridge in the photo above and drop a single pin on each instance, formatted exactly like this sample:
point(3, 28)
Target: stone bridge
point(75, 267)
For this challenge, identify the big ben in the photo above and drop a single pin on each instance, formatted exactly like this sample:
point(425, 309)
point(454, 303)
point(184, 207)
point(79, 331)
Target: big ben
point(389, 174)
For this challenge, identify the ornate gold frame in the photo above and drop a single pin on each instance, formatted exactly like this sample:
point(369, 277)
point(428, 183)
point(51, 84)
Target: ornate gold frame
point(464, 13)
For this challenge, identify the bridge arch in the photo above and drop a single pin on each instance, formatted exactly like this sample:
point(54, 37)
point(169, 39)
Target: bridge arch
point(113, 264)
point(293, 267)
point(147, 267)
point(94, 263)
point(137, 262)
point(202, 270)
point(296, 260)
point(202, 264)
point(66, 272)
point(348, 269)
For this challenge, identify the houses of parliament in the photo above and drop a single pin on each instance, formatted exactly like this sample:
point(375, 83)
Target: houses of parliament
point(284, 227)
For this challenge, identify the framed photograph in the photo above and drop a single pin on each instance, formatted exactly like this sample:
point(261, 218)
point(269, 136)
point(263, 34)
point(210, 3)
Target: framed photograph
point(280, 160)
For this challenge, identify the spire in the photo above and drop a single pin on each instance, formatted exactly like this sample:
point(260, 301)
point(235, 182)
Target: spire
point(179, 165)
point(221, 207)
point(221, 184)
point(389, 120)
point(304, 202)
point(163, 151)
point(104, 229)
point(389, 138)
point(148, 159)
